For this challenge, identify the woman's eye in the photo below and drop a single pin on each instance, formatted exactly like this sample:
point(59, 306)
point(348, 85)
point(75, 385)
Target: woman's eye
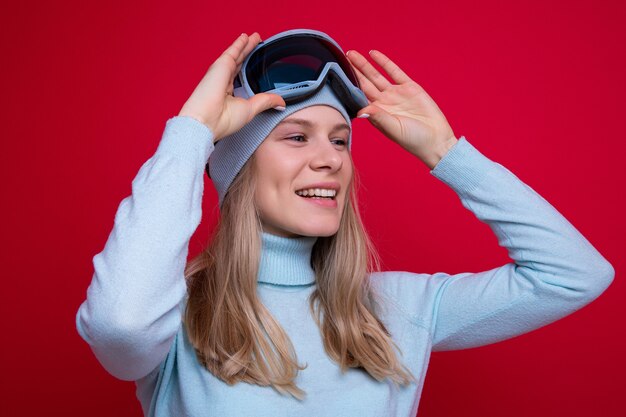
point(296, 137)
point(302, 138)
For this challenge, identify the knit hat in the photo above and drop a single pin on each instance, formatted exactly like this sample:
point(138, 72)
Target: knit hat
point(231, 152)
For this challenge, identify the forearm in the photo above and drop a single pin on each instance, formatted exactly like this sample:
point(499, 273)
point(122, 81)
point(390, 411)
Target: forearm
point(556, 270)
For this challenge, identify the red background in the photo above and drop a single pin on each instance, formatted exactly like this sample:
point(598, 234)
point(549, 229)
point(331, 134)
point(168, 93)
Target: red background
point(536, 86)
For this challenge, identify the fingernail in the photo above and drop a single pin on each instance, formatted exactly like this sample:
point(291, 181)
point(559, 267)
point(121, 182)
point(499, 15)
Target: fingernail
point(363, 116)
point(280, 108)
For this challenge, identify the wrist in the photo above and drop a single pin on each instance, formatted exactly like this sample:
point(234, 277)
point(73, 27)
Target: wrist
point(440, 151)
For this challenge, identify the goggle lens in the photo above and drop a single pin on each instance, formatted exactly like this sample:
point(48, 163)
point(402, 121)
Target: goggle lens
point(292, 60)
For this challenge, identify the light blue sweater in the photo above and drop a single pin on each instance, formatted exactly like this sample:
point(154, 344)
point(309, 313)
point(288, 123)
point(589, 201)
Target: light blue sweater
point(131, 317)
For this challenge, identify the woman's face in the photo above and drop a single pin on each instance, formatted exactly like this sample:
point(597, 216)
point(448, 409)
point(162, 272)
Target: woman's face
point(305, 153)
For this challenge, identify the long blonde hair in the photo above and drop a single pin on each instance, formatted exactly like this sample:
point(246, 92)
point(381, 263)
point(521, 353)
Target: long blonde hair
point(233, 332)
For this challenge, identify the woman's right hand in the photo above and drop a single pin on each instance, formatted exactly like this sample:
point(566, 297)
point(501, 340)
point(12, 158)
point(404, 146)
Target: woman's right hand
point(212, 102)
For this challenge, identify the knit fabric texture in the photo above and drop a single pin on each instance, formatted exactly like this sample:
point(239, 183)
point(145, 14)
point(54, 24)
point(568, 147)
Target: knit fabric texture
point(132, 315)
point(232, 151)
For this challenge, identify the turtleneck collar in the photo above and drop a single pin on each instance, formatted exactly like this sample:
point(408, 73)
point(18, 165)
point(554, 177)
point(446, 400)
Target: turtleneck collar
point(286, 260)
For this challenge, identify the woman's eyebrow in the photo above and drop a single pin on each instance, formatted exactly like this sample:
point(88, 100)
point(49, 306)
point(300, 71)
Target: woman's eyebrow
point(309, 124)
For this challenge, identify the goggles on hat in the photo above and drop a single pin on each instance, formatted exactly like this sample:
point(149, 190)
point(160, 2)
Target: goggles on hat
point(295, 64)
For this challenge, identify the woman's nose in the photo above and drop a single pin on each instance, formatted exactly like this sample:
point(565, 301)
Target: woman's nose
point(326, 156)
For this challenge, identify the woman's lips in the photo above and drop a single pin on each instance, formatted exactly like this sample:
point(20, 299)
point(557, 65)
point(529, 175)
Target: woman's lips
point(323, 202)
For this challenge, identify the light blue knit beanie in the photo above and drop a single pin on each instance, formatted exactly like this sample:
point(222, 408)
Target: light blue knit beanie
point(231, 152)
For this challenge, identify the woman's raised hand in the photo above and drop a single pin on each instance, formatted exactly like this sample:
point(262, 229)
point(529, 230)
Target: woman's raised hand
point(403, 112)
point(213, 103)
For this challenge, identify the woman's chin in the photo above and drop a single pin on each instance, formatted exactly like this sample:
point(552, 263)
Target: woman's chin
point(319, 231)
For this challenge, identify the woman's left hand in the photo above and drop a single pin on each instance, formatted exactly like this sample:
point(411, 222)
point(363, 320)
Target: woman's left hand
point(403, 112)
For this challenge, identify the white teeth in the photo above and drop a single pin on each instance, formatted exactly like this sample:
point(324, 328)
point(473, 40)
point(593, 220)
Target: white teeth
point(320, 192)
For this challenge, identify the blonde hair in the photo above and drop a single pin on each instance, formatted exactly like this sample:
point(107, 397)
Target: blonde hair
point(236, 337)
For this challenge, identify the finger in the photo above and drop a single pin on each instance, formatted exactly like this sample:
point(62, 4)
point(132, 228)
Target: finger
point(253, 41)
point(394, 71)
point(383, 121)
point(371, 73)
point(368, 88)
point(231, 82)
point(264, 101)
point(235, 49)
point(219, 77)
point(224, 75)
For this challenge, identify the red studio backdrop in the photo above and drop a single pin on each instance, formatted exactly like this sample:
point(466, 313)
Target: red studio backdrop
point(536, 86)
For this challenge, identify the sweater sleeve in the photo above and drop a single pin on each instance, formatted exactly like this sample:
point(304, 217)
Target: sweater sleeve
point(131, 313)
point(555, 272)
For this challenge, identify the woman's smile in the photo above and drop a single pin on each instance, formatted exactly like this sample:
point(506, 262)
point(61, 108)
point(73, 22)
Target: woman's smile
point(321, 194)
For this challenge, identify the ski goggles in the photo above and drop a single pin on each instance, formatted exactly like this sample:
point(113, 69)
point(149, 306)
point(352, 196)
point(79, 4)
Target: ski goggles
point(295, 64)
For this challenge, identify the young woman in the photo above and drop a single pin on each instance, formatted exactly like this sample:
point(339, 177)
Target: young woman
point(286, 312)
